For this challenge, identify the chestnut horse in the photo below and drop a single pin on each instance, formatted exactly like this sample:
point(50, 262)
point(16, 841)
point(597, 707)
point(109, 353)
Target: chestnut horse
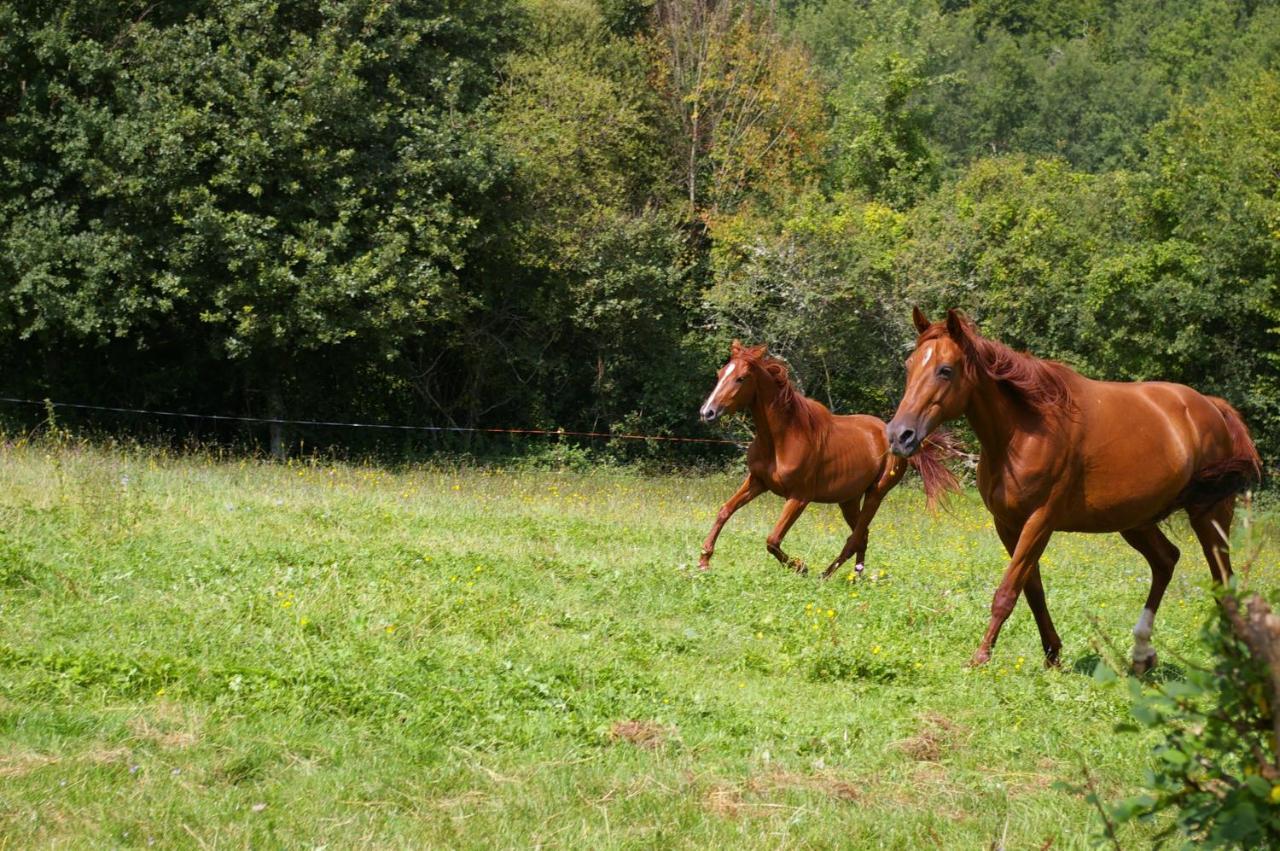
point(1064, 453)
point(804, 453)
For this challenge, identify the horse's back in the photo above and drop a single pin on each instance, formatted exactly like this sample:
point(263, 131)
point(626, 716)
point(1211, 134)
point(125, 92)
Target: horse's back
point(862, 430)
point(1140, 444)
point(1160, 417)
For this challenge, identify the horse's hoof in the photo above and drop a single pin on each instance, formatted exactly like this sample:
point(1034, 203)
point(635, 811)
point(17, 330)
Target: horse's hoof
point(798, 566)
point(1143, 666)
point(830, 571)
point(1052, 660)
point(979, 659)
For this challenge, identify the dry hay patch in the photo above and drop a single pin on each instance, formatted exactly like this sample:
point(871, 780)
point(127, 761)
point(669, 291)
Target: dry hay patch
point(107, 756)
point(936, 737)
point(21, 763)
point(15, 764)
point(643, 734)
point(635, 787)
point(763, 794)
point(170, 728)
point(1022, 783)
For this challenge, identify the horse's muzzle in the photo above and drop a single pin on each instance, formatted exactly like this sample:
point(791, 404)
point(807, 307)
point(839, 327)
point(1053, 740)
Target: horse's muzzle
point(710, 413)
point(904, 439)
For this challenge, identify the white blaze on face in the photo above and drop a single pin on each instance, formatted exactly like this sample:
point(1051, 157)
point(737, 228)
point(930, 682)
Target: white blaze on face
point(1142, 649)
point(719, 384)
point(928, 355)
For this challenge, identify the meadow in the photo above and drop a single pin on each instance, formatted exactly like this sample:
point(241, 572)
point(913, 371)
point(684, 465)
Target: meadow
point(203, 652)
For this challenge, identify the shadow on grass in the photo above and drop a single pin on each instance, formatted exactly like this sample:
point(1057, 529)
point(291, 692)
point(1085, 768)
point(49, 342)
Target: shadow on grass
point(1163, 672)
point(1085, 664)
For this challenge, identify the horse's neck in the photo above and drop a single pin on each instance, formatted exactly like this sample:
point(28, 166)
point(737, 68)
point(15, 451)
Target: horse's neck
point(771, 424)
point(993, 417)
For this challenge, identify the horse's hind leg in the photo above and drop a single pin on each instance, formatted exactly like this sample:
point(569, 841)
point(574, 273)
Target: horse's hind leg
point(1033, 591)
point(859, 518)
point(790, 512)
point(852, 517)
point(1162, 555)
point(1212, 526)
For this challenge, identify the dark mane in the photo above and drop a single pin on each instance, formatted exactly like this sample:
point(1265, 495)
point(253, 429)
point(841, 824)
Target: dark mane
point(805, 413)
point(1040, 384)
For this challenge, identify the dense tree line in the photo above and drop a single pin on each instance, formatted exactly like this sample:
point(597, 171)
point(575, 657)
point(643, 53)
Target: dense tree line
point(558, 212)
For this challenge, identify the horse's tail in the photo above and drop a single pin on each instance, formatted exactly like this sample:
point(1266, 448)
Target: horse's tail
point(1239, 471)
point(928, 462)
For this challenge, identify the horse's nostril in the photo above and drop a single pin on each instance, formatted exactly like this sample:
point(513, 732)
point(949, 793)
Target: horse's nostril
point(906, 436)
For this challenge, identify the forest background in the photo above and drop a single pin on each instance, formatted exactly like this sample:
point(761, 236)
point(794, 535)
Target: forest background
point(557, 213)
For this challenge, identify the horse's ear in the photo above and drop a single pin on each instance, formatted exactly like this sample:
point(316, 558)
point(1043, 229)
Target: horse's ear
point(735, 347)
point(957, 325)
point(918, 317)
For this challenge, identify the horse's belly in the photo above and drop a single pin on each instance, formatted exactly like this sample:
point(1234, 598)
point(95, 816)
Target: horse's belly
point(1131, 489)
point(1114, 505)
point(824, 487)
point(836, 472)
point(783, 483)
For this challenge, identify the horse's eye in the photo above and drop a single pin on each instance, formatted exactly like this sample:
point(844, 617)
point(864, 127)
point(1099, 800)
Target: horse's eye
point(740, 379)
point(944, 372)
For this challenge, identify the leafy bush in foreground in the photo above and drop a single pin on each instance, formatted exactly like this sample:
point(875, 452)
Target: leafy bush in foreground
point(1217, 766)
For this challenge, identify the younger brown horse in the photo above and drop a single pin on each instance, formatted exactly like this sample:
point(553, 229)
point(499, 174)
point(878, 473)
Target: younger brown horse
point(804, 453)
point(1061, 452)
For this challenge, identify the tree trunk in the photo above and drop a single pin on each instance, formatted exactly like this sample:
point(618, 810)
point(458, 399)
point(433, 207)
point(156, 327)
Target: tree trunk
point(276, 411)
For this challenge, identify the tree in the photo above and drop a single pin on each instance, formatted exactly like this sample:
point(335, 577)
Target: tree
point(750, 115)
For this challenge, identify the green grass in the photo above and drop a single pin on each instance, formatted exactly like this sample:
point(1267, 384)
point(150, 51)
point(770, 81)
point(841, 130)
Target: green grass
point(212, 654)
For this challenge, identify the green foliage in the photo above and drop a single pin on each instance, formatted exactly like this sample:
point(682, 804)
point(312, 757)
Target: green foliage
point(750, 121)
point(558, 212)
point(880, 138)
point(1215, 764)
point(829, 266)
point(270, 184)
point(593, 224)
point(293, 177)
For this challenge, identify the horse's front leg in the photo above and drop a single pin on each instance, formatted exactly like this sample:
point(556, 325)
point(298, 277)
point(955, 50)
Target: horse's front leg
point(790, 512)
point(1033, 590)
point(1031, 543)
point(749, 490)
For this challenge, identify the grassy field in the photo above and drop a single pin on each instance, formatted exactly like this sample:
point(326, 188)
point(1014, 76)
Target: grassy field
point(221, 654)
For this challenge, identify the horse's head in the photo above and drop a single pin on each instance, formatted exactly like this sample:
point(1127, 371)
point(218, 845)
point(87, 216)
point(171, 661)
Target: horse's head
point(939, 382)
point(735, 383)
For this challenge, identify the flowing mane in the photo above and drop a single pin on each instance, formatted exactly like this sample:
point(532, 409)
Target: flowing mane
point(805, 412)
point(1040, 384)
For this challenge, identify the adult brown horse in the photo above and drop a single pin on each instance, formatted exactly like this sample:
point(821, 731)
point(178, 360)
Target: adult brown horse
point(1061, 452)
point(804, 453)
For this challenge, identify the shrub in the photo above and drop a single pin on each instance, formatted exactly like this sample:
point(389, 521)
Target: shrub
point(1217, 766)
